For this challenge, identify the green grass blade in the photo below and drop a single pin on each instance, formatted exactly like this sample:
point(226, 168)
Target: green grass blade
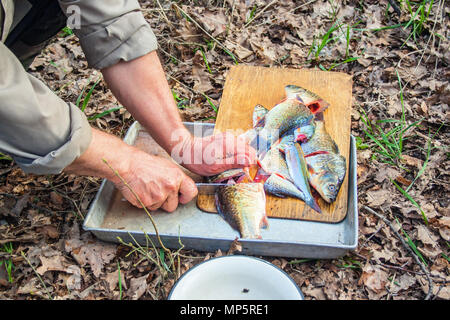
point(412, 245)
point(120, 281)
point(407, 196)
point(104, 113)
point(88, 95)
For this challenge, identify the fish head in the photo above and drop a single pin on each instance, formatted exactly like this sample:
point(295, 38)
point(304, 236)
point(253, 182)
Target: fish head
point(310, 99)
point(326, 184)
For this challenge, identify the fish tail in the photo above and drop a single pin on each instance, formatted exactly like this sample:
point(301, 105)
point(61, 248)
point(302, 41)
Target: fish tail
point(313, 204)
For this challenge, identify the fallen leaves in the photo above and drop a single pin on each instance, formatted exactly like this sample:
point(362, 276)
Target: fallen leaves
point(86, 251)
point(375, 280)
point(37, 212)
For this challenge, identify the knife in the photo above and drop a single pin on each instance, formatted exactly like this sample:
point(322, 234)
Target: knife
point(208, 188)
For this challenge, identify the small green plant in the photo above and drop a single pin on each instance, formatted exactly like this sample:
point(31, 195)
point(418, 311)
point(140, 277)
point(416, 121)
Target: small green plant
point(388, 141)
point(5, 157)
point(180, 101)
point(87, 97)
point(104, 113)
point(418, 18)
point(252, 14)
point(407, 196)
point(336, 32)
point(66, 31)
point(8, 264)
point(204, 59)
point(120, 280)
point(211, 104)
point(349, 263)
point(412, 244)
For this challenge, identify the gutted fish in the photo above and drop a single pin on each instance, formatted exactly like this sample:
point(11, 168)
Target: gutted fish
point(310, 99)
point(326, 167)
point(281, 187)
point(243, 206)
point(297, 167)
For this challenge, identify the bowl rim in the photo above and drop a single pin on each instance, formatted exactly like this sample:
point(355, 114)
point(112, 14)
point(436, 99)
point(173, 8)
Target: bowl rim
point(236, 256)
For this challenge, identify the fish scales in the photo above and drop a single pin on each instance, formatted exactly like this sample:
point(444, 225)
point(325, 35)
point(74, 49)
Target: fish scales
point(243, 206)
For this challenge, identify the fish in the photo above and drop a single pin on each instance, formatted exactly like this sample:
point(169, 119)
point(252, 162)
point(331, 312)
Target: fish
point(315, 103)
point(259, 113)
point(273, 162)
point(243, 206)
point(288, 114)
point(326, 166)
point(297, 167)
point(281, 187)
point(226, 175)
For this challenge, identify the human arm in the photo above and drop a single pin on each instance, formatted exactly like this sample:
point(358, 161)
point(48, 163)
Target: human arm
point(117, 40)
point(44, 135)
point(140, 85)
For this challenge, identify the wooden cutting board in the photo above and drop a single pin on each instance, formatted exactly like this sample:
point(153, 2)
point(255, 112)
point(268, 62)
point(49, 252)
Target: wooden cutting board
point(247, 86)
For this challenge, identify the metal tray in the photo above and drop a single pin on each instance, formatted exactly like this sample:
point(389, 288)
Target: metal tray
point(203, 231)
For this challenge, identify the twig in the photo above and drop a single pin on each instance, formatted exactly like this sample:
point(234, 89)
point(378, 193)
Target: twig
point(302, 5)
point(425, 271)
point(29, 202)
point(140, 202)
point(395, 7)
point(201, 28)
point(37, 274)
point(259, 13)
point(163, 13)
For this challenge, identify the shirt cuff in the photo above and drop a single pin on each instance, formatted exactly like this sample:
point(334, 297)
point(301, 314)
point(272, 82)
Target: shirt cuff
point(127, 38)
point(55, 161)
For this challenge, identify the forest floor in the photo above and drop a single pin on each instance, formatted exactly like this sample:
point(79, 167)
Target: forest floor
point(399, 60)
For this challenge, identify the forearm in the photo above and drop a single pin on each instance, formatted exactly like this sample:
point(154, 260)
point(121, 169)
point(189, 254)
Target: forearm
point(102, 146)
point(141, 86)
point(158, 182)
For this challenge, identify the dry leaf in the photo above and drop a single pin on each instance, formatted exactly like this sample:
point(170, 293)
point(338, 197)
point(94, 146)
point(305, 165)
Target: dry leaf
point(375, 279)
point(85, 251)
point(138, 286)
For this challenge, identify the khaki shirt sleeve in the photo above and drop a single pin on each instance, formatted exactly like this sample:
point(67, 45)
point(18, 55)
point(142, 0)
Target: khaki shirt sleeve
point(38, 130)
point(110, 31)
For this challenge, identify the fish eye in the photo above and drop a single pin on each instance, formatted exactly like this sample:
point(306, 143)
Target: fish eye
point(332, 187)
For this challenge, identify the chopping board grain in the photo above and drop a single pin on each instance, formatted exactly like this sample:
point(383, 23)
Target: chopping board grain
point(247, 86)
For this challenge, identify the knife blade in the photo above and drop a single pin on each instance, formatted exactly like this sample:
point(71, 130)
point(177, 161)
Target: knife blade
point(208, 188)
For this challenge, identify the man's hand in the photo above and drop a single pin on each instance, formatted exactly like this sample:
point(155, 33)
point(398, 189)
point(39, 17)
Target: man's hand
point(214, 154)
point(158, 182)
point(141, 86)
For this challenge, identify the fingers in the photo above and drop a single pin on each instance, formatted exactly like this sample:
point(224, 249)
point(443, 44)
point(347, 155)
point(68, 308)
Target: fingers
point(188, 190)
point(171, 203)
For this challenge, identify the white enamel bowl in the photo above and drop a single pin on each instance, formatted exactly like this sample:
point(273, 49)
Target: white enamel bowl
point(235, 278)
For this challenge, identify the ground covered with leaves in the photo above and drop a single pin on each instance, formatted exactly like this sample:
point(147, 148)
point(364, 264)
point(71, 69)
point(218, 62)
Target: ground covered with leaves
point(397, 53)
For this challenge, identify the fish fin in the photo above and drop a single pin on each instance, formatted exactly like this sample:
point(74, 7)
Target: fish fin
point(292, 92)
point(261, 175)
point(310, 169)
point(264, 223)
point(319, 116)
